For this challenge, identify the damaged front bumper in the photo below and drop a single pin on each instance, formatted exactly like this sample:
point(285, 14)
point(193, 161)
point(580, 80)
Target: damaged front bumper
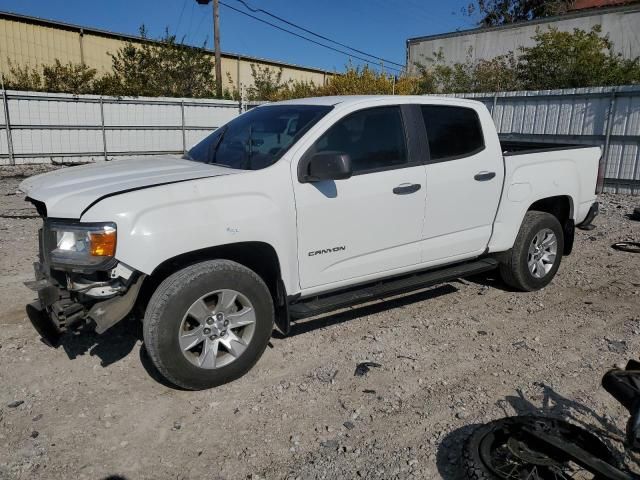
point(59, 309)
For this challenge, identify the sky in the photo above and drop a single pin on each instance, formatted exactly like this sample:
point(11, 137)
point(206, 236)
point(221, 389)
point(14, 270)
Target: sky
point(379, 27)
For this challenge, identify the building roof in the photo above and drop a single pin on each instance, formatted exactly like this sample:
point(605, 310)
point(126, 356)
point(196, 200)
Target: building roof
point(135, 38)
point(567, 16)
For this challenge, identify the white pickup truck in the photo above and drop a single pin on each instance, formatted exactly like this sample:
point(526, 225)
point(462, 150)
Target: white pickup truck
point(295, 209)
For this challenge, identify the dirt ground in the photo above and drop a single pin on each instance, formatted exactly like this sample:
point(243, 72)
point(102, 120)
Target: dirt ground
point(451, 357)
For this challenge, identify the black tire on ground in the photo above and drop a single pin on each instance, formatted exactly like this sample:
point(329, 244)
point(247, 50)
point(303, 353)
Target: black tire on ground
point(514, 269)
point(169, 304)
point(487, 451)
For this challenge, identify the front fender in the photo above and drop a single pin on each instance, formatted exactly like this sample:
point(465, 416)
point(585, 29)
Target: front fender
point(159, 223)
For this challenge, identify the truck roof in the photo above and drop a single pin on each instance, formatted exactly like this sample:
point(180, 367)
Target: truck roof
point(358, 99)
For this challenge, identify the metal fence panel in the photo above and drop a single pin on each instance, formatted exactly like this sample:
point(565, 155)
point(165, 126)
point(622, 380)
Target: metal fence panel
point(46, 127)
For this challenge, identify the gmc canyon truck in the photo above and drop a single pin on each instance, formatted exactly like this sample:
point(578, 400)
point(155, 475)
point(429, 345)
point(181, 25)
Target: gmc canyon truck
point(295, 209)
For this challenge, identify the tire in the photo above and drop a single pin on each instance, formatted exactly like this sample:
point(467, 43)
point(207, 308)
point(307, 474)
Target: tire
point(491, 447)
point(179, 313)
point(514, 268)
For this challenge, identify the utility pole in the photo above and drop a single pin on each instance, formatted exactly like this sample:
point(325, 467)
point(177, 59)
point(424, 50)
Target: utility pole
point(216, 43)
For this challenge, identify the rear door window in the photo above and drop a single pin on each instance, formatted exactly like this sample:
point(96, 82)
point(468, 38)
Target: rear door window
point(453, 132)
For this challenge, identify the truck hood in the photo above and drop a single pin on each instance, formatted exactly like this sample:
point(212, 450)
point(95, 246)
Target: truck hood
point(68, 192)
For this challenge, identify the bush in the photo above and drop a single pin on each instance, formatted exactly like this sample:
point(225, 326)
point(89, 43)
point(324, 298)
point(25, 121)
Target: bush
point(23, 78)
point(574, 59)
point(70, 78)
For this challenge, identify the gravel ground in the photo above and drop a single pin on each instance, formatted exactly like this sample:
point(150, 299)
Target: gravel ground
point(451, 357)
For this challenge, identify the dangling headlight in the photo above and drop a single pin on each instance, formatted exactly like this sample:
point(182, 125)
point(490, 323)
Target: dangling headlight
point(80, 245)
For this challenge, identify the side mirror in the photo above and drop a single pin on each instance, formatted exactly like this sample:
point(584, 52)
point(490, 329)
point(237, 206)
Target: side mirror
point(328, 166)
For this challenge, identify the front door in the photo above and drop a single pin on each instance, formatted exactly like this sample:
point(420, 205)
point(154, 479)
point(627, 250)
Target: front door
point(352, 229)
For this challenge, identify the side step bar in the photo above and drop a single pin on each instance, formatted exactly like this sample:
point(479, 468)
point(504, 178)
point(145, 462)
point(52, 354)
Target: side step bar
point(326, 303)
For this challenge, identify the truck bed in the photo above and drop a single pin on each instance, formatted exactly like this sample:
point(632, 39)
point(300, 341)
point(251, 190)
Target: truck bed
point(519, 147)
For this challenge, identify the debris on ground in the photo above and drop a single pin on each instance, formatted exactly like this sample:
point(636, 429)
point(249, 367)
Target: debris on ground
point(616, 346)
point(363, 368)
point(631, 247)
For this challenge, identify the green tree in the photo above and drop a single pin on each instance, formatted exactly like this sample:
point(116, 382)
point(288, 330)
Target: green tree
point(299, 89)
point(74, 78)
point(496, 75)
point(359, 81)
point(23, 78)
point(165, 68)
point(574, 59)
point(489, 13)
point(267, 83)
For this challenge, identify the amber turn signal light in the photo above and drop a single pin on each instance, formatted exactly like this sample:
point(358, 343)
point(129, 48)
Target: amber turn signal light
point(103, 244)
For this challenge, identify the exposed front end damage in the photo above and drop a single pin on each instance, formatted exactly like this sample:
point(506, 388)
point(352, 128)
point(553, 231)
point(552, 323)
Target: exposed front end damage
point(69, 298)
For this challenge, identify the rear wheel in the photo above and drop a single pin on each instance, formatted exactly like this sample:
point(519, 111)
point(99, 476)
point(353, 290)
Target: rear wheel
point(208, 324)
point(536, 254)
point(504, 450)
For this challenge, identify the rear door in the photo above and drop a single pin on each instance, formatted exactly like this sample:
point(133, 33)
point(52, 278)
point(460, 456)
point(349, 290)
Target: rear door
point(352, 229)
point(464, 182)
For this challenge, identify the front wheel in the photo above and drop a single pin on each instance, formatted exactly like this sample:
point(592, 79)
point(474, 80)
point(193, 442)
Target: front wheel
point(208, 324)
point(536, 254)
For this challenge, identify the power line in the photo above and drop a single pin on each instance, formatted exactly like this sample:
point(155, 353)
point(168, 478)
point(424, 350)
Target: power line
point(255, 10)
point(184, 4)
point(197, 29)
point(190, 20)
point(366, 60)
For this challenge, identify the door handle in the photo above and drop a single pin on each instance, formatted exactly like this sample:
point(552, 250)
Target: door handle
point(484, 176)
point(406, 188)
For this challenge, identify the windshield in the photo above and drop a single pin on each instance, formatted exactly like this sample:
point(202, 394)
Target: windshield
point(258, 138)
